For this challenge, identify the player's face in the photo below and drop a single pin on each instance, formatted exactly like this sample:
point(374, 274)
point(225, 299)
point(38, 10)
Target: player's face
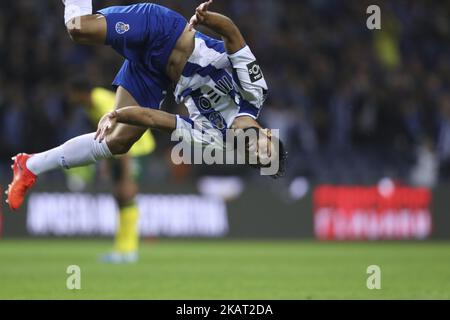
point(260, 147)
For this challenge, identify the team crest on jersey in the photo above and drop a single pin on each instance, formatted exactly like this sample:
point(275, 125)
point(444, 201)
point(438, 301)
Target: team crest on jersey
point(217, 120)
point(254, 71)
point(122, 27)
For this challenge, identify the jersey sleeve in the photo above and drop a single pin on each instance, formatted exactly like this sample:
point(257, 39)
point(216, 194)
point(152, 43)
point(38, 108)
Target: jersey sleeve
point(249, 81)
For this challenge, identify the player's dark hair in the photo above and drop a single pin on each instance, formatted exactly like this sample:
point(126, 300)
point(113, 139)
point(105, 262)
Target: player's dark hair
point(282, 154)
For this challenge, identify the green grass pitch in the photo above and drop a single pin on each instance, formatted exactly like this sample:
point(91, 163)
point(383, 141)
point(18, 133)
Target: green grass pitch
point(226, 269)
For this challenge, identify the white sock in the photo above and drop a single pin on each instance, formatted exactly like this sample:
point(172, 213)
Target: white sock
point(77, 152)
point(76, 8)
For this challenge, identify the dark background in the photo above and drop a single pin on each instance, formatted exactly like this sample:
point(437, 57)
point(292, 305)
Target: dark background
point(353, 105)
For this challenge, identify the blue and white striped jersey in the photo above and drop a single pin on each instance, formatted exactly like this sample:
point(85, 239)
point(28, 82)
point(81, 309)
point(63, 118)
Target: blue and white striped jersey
point(217, 87)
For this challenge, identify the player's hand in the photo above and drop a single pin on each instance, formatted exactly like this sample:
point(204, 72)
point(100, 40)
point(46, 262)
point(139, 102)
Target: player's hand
point(105, 125)
point(200, 14)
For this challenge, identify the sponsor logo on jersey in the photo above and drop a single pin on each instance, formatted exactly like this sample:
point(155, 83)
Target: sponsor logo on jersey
point(254, 71)
point(204, 103)
point(122, 27)
point(224, 85)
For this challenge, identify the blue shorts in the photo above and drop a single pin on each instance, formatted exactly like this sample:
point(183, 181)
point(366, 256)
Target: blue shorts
point(145, 35)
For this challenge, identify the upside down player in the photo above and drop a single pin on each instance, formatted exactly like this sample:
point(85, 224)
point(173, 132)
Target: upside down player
point(96, 102)
point(219, 82)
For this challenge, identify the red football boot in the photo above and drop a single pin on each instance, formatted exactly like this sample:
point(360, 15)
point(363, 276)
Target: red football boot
point(23, 180)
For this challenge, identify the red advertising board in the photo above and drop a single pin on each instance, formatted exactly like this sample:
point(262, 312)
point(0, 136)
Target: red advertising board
point(370, 213)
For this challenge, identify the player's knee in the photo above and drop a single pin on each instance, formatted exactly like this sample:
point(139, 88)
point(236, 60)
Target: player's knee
point(125, 192)
point(126, 197)
point(118, 146)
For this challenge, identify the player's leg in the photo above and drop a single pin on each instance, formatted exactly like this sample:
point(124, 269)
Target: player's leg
point(79, 151)
point(126, 239)
point(120, 140)
point(83, 26)
point(122, 137)
point(84, 149)
point(89, 30)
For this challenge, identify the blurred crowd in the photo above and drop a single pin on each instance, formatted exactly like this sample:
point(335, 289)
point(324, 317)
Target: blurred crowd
point(352, 104)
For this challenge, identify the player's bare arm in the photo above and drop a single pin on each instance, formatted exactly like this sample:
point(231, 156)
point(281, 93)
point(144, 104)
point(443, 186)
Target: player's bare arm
point(233, 41)
point(136, 116)
point(224, 26)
